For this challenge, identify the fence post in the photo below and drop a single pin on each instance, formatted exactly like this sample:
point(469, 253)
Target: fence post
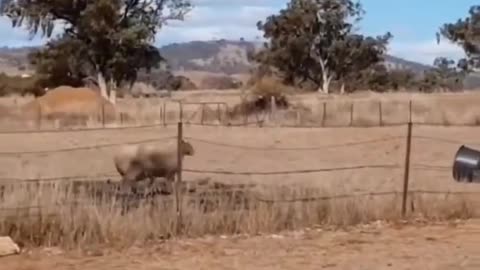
point(203, 114)
point(352, 106)
point(160, 113)
point(164, 114)
point(273, 109)
point(380, 116)
point(179, 177)
point(180, 104)
point(103, 115)
point(406, 176)
point(324, 115)
point(410, 107)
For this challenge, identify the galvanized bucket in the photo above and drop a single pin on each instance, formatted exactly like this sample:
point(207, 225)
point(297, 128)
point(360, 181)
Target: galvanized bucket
point(466, 166)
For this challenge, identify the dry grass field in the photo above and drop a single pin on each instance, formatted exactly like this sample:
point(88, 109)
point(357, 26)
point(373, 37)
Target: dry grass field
point(441, 246)
point(286, 164)
point(369, 109)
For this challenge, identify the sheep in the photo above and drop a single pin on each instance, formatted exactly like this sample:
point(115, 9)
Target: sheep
point(135, 163)
point(123, 157)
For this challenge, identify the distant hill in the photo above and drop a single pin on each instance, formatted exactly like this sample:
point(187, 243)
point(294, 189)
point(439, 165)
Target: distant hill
point(216, 56)
point(230, 57)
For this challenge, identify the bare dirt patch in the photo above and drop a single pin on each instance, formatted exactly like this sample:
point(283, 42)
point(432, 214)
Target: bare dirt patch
point(376, 246)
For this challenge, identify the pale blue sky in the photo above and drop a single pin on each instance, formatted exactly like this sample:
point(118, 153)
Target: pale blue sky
point(413, 24)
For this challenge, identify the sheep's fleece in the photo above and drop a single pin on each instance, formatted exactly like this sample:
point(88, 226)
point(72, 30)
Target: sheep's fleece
point(136, 162)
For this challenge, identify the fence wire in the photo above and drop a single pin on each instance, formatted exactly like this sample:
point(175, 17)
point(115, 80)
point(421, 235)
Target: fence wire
point(245, 147)
point(98, 177)
point(310, 148)
point(106, 128)
point(345, 168)
point(90, 147)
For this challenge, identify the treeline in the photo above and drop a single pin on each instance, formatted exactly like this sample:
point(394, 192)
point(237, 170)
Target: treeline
point(312, 45)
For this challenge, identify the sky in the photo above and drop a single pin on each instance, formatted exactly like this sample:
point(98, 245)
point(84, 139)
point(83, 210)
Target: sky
point(413, 24)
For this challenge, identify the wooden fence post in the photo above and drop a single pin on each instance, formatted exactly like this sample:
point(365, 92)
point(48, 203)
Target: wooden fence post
point(352, 106)
point(406, 176)
point(203, 114)
point(164, 114)
point(103, 115)
point(273, 110)
point(324, 115)
point(179, 177)
point(380, 116)
point(160, 113)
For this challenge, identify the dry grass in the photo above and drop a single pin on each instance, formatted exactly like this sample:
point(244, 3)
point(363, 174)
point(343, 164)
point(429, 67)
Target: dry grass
point(75, 220)
point(379, 245)
point(61, 223)
point(307, 109)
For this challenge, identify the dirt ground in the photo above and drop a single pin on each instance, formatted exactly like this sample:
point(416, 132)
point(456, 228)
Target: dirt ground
point(254, 149)
point(376, 246)
point(238, 149)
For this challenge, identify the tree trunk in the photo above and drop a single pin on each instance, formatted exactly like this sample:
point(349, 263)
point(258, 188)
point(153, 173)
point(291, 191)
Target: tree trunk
point(112, 96)
point(326, 84)
point(342, 88)
point(326, 77)
point(102, 84)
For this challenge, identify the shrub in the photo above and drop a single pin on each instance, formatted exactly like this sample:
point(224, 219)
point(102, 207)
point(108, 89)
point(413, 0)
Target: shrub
point(269, 86)
point(259, 96)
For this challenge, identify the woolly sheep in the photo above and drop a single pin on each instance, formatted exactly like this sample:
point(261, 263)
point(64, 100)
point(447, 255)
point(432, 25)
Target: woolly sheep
point(123, 157)
point(137, 162)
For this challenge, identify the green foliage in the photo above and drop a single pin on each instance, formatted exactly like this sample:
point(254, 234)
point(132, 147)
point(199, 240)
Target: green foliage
point(315, 41)
point(110, 37)
point(466, 33)
point(379, 79)
point(447, 75)
point(60, 63)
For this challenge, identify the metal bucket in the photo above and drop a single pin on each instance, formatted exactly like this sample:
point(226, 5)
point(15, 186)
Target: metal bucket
point(466, 166)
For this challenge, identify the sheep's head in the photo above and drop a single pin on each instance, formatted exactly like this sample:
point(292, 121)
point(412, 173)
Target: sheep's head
point(187, 148)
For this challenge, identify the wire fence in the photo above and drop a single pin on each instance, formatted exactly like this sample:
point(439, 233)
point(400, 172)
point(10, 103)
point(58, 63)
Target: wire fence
point(267, 118)
point(405, 192)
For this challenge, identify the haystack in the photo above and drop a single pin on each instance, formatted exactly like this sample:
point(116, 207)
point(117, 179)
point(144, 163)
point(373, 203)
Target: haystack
point(70, 104)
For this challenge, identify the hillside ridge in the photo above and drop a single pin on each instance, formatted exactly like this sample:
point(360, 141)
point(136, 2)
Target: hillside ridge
point(216, 56)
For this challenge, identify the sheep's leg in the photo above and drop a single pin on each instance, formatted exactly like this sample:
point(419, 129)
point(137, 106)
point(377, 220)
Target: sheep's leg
point(151, 185)
point(171, 182)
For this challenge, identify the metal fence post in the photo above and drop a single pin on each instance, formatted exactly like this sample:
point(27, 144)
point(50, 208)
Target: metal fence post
point(406, 176)
point(179, 177)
